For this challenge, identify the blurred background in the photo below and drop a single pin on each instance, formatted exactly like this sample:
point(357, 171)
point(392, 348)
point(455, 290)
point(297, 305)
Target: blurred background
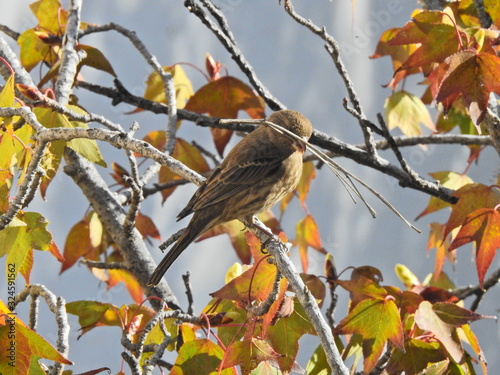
point(295, 67)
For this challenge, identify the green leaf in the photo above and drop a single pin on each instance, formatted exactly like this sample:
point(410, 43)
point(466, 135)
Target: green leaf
point(200, 356)
point(318, 365)
point(20, 240)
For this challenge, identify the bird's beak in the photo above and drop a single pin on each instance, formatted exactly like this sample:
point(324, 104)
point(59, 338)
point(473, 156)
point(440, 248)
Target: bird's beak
point(302, 145)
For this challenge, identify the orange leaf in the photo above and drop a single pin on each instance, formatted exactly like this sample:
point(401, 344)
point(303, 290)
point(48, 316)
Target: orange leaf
point(224, 98)
point(447, 179)
point(188, 155)
point(435, 33)
point(362, 288)
point(483, 227)
point(302, 189)
point(18, 354)
point(442, 247)
point(131, 283)
point(254, 283)
point(83, 239)
point(307, 235)
point(213, 67)
point(471, 197)
point(118, 173)
point(398, 54)
point(376, 320)
point(147, 227)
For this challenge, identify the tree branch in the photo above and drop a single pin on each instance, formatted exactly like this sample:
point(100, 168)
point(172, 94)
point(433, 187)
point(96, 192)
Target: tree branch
point(227, 40)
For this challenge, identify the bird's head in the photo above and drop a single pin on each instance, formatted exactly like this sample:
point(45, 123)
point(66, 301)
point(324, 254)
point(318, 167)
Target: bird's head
point(293, 121)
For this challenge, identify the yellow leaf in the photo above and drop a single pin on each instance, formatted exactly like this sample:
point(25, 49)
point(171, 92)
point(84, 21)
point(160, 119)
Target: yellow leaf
point(406, 111)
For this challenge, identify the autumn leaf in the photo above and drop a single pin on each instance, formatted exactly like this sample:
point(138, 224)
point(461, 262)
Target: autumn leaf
point(28, 346)
point(212, 67)
point(7, 94)
point(307, 236)
point(200, 356)
point(447, 179)
point(85, 147)
point(428, 320)
point(361, 288)
point(377, 321)
point(417, 356)
point(42, 42)
point(285, 334)
point(93, 58)
point(406, 276)
point(455, 315)
point(474, 75)
point(131, 283)
point(83, 240)
point(472, 340)
point(407, 112)
point(493, 9)
point(238, 236)
point(186, 154)
point(221, 311)
point(224, 98)
point(92, 314)
point(318, 365)
point(436, 35)
point(155, 88)
point(146, 226)
point(119, 173)
point(471, 197)
point(248, 354)
point(442, 245)
point(483, 227)
point(23, 235)
point(302, 189)
point(398, 54)
point(50, 15)
point(255, 283)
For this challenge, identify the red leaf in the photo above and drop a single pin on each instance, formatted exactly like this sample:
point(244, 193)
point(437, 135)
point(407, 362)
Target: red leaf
point(474, 75)
point(483, 227)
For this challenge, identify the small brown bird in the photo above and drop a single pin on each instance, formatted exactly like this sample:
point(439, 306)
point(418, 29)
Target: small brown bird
point(260, 170)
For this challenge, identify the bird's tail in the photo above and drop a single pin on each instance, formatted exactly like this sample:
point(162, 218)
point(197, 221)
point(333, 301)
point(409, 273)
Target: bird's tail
point(184, 240)
point(200, 222)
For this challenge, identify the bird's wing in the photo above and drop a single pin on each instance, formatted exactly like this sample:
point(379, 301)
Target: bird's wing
point(226, 182)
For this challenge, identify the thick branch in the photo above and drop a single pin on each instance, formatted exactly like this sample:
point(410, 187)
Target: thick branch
point(134, 250)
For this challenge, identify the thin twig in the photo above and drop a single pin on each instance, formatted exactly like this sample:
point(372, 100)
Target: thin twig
point(333, 50)
point(227, 40)
point(478, 290)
